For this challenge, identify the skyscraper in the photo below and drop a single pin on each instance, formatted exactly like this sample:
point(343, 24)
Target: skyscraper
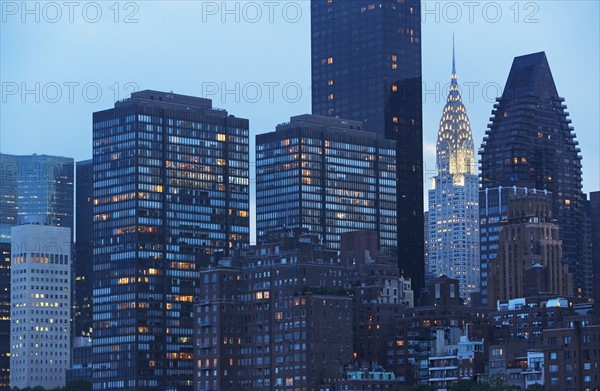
point(528, 241)
point(327, 175)
point(366, 66)
point(493, 209)
point(171, 192)
point(595, 233)
point(40, 332)
point(8, 219)
point(84, 241)
point(39, 186)
point(453, 235)
point(530, 144)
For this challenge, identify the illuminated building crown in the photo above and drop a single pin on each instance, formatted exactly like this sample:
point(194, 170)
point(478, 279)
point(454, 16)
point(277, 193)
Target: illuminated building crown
point(455, 150)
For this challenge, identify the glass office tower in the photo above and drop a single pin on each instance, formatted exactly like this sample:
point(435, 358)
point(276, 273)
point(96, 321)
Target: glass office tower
point(171, 193)
point(40, 186)
point(84, 245)
point(327, 175)
point(366, 66)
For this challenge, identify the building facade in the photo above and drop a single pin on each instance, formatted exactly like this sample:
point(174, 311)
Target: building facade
point(40, 332)
point(453, 228)
point(571, 361)
point(327, 175)
point(493, 208)
point(8, 219)
point(279, 319)
point(83, 270)
point(366, 66)
point(529, 143)
point(34, 186)
point(378, 292)
point(595, 225)
point(529, 258)
point(171, 194)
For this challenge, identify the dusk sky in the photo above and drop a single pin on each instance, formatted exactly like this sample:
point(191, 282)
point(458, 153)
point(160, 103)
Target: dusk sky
point(85, 56)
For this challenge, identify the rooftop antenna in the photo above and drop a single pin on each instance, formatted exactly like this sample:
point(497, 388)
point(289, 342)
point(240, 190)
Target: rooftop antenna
point(453, 61)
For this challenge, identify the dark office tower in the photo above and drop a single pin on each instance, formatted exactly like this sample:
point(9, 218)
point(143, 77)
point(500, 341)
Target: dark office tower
point(8, 219)
point(529, 143)
point(171, 193)
point(84, 242)
point(366, 66)
point(30, 185)
point(326, 175)
point(595, 234)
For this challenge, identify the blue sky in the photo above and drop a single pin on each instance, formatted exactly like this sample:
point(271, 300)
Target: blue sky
point(60, 63)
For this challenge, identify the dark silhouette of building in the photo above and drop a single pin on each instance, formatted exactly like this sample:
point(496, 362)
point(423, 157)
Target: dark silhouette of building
point(416, 333)
point(279, 318)
point(171, 193)
point(366, 66)
point(529, 253)
point(84, 249)
point(530, 144)
point(327, 175)
point(378, 292)
point(81, 360)
point(595, 225)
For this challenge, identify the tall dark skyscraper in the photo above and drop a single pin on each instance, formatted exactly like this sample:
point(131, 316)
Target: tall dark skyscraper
point(8, 219)
point(530, 144)
point(595, 233)
point(171, 192)
point(366, 66)
point(30, 185)
point(84, 242)
point(326, 175)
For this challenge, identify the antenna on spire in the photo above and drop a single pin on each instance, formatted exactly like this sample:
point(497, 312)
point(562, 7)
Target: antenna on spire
point(453, 62)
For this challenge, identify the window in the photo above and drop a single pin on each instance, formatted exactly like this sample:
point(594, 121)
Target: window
point(553, 368)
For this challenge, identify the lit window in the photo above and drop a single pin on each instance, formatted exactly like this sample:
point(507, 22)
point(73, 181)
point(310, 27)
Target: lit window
point(330, 97)
point(330, 60)
point(330, 83)
point(221, 137)
point(394, 88)
point(394, 66)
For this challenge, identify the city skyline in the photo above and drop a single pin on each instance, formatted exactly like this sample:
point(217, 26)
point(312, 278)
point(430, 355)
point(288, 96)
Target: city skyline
point(204, 75)
point(230, 195)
